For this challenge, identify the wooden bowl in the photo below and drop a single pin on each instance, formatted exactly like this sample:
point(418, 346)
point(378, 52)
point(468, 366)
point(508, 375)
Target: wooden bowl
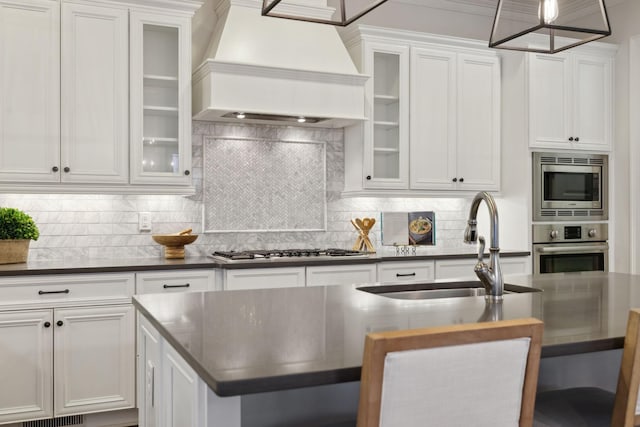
point(174, 244)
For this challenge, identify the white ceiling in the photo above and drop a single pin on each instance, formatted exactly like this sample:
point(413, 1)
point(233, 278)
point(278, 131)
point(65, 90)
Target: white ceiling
point(488, 7)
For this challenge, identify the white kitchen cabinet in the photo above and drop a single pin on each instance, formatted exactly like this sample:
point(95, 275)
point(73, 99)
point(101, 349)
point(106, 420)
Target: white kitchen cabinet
point(434, 115)
point(26, 339)
point(149, 374)
point(94, 360)
point(380, 160)
point(69, 123)
point(179, 391)
point(160, 99)
point(30, 88)
point(340, 274)
point(94, 116)
point(570, 99)
point(406, 271)
point(260, 278)
point(64, 106)
point(378, 157)
point(175, 281)
point(170, 393)
point(455, 138)
point(72, 340)
point(463, 268)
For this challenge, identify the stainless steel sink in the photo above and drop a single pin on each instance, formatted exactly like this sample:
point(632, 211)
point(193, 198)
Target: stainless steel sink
point(420, 291)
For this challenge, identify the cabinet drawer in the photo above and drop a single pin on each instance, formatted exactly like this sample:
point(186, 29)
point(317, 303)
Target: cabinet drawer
point(516, 265)
point(175, 281)
point(463, 268)
point(260, 278)
point(62, 290)
point(340, 274)
point(405, 271)
point(456, 268)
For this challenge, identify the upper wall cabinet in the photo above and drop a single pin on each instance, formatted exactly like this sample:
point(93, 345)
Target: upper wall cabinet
point(433, 109)
point(94, 140)
point(570, 99)
point(455, 126)
point(160, 99)
point(30, 90)
point(95, 97)
point(386, 136)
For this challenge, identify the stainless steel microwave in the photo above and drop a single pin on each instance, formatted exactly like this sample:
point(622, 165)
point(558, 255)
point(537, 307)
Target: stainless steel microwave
point(570, 186)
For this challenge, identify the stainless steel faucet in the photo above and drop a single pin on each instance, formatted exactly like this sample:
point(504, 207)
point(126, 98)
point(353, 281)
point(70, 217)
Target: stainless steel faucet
point(490, 275)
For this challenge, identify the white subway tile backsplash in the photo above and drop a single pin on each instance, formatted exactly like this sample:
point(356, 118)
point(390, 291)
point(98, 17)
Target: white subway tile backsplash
point(106, 226)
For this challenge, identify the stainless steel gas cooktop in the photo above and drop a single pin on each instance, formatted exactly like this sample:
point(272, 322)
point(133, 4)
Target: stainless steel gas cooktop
point(260, 255)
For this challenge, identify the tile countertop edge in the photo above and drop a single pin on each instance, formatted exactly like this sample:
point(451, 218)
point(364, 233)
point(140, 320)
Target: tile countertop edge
point(159, 264)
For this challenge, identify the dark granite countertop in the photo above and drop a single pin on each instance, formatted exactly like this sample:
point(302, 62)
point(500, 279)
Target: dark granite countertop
point(148, 264)
point(78, 266)
point(243, 342)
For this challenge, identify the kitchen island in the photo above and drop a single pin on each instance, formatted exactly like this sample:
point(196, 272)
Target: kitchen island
point(243, 352)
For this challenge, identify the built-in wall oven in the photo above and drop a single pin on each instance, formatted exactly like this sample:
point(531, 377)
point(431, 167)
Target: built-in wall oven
point(570, 187)
point(565, 247)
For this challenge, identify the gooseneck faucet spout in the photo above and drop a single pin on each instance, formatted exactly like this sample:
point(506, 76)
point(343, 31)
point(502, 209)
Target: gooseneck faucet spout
point(490, 275)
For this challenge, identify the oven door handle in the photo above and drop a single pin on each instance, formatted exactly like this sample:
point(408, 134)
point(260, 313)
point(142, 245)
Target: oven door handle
point(573, 249)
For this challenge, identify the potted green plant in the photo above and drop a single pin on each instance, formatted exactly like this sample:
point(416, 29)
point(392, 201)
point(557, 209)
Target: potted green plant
point(17, 229)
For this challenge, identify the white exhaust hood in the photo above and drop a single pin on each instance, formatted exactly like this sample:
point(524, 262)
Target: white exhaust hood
point(269, 66)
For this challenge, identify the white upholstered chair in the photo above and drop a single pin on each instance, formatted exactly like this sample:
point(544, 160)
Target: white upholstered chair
point(481, 374)
point(594, 407)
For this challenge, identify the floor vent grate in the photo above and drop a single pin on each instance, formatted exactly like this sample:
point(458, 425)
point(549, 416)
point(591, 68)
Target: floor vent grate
point(74, 420)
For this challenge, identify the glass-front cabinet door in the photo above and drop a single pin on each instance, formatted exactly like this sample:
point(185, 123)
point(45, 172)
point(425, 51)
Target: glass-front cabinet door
point(160, 99)
point(386, 138)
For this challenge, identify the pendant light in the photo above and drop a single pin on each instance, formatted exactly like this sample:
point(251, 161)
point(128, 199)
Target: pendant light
point(332, 12)
point(548, 26)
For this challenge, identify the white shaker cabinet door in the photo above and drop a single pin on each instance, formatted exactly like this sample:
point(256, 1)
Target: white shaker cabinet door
point(478, 123)
point(592, 102)
point(29, 90)
point(26, 365)
point(433, 119)
point(95, 93)
point(179, 391)
point(149, 374)
point(550, 98)
point(94, 359)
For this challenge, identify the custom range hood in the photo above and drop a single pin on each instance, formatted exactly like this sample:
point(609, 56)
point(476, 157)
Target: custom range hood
point(276, 70)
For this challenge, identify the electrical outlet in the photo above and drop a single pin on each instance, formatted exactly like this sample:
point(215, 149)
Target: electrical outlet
point(144, 221)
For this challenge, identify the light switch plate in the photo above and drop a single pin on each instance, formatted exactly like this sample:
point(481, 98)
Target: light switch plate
point(144, 221)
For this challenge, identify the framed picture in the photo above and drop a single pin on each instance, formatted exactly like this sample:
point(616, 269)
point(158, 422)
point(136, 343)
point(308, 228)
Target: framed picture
point(408, 228)
point(421, 228)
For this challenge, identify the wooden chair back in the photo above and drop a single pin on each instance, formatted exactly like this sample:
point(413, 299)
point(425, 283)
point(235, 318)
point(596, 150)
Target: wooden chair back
point(624, 409)
point(378, 345)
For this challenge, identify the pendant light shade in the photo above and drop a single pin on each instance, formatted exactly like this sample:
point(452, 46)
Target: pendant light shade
point(332, 12)
point(548, 26)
